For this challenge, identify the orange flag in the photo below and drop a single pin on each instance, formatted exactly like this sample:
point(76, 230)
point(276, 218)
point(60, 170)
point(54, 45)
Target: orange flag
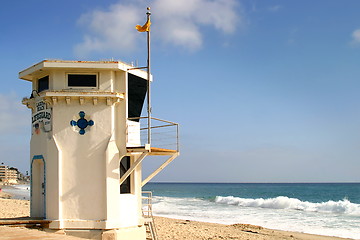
point(145, 27)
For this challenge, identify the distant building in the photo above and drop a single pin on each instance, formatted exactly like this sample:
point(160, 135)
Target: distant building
point(8, 175)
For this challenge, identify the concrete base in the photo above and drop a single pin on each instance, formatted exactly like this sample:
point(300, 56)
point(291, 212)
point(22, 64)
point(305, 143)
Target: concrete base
point(129, 233)
point(133, 233)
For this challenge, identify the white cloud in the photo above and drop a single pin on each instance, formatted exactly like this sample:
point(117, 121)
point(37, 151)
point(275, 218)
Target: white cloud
point(14, 117)
point(356, 37)
point(109, 30)
point(178, 23)
point(275, 8)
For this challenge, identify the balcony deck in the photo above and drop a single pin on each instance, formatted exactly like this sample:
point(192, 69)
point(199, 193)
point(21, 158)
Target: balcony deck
point(151, 150)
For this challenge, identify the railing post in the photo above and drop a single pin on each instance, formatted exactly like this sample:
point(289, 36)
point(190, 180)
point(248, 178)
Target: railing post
point(177, 137)
point(148, 81)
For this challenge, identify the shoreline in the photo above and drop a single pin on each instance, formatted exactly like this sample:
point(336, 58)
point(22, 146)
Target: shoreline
point(4, 194)
point(170, 229)
point(11, 191)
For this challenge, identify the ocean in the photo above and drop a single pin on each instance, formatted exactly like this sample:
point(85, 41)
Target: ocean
point(21, 191)
point(330, 209)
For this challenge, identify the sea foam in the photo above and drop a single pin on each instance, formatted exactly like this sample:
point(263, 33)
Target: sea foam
point(337, 207)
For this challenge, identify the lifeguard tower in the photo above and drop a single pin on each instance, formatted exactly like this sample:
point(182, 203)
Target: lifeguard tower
point(87, 146)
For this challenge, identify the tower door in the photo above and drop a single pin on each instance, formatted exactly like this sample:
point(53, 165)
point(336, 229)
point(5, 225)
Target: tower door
point(38, 187)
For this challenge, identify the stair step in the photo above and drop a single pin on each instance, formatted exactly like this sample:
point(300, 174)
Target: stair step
point(148, 217)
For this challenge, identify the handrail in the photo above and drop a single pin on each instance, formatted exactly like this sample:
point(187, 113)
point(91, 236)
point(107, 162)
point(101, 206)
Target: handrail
point(148, 214)
point(146, 204)
point(134, 118)
point(161, 135)
point(169, 125)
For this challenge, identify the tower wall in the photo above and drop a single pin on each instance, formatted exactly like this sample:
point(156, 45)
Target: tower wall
point(76, 152)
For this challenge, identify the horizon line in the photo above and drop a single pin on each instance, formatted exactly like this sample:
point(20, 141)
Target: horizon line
point(352, 182)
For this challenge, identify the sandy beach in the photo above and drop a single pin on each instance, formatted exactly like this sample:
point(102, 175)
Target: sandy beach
point(170, 229)
point(184, 229)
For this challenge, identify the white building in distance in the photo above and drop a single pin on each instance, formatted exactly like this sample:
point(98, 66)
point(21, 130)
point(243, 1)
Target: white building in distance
point(7, 175)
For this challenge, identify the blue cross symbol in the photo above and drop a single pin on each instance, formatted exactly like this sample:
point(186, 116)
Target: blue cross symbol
point(82, 123)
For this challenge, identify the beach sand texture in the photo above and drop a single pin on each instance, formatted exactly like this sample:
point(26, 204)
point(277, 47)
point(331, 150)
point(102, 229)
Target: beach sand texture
point(173, 229)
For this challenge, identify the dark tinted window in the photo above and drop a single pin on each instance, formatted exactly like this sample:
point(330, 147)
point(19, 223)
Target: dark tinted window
point(43, 84)
point(82, 80)
point(137, 88)
point(124, 166)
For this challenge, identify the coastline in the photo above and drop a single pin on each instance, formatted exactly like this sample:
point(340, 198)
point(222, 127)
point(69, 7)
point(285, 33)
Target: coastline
point(12, 191)
point(170, 229)
point(5, 195)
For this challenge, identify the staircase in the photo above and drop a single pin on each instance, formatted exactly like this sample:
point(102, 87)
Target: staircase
point(148, 216)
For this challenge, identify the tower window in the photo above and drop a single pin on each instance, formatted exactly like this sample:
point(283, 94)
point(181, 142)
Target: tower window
point(43, 84)
point(137, 92)
point(125, 187)
point(82, 80)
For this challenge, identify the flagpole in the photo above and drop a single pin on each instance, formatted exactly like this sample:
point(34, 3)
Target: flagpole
point(148, 13)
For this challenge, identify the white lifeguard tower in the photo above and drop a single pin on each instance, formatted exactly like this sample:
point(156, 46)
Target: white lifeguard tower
point(87, 145)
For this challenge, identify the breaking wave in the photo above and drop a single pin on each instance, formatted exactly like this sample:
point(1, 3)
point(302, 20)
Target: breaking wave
point(337, 207)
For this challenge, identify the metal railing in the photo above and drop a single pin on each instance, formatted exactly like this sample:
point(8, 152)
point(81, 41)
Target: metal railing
point(163, 134)
point(146, 204)
point(147, 214)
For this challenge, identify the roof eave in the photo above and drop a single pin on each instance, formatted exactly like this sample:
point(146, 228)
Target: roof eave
point(28, 73)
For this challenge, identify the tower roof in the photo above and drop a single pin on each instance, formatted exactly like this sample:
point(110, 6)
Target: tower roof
point(45, 65)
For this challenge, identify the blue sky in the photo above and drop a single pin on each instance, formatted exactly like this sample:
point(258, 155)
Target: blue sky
point(264, 91)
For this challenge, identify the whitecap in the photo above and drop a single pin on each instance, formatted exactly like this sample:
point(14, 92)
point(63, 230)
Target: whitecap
point(282, 202)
